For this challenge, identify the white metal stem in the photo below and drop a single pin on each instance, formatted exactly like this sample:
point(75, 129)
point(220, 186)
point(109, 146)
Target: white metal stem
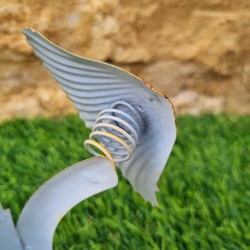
point(9, 238)
point(45, 209)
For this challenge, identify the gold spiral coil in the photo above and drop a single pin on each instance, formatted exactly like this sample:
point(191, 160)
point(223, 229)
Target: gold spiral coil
point(115, 133)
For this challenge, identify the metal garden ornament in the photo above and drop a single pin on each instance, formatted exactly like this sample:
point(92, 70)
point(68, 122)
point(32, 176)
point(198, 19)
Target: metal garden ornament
point(133, 125)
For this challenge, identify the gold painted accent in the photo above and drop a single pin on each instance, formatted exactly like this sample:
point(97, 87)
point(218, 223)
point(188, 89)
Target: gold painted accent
point(102, 148)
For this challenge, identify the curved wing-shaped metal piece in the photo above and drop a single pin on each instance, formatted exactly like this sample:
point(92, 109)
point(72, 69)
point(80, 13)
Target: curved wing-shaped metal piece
point(91, 85)
point(94, 86)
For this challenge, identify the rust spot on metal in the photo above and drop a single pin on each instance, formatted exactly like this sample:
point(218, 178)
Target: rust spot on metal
point(157, 91)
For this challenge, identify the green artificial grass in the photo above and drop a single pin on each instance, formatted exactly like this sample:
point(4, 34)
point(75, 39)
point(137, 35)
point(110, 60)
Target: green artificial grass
point(204, 191)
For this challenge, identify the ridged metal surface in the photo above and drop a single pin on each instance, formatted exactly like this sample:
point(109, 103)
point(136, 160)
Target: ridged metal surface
point(94, 86)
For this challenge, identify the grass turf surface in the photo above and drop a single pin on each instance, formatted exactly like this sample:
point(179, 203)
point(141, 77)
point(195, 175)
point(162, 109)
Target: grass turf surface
point(204, 192)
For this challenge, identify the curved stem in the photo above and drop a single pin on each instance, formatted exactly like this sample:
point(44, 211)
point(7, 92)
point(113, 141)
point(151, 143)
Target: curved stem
point(45, 209)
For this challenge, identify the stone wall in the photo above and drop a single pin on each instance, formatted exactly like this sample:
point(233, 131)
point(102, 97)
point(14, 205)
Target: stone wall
point(196, 52)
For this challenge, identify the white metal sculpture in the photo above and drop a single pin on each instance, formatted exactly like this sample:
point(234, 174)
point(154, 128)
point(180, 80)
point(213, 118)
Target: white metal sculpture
point(132, 124)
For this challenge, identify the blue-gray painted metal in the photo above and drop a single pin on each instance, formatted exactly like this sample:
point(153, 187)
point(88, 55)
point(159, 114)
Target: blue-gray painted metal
point(48, 205)
point(94, 86)
point(9, 238)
